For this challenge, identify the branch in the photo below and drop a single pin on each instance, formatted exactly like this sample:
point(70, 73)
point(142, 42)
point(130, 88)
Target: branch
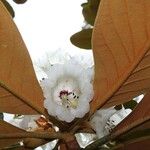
point(40, 135)
point(15, 146)
point(97, 143)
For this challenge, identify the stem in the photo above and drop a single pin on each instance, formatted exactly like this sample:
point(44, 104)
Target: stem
point(11, 147)
point(97, 143)
point(126, 138)
point(57, 145)
point(42, 135)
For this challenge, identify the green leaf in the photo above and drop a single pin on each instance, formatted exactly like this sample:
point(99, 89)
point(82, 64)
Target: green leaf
point(118, 107)
point(19, 1)
point(131, 104)
point(9, 8)
point(82, 39)
point(90, 10)
point(128, 105)
point(1, 116)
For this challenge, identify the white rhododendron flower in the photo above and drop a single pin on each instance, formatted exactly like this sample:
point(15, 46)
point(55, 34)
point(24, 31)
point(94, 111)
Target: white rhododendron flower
point(116, 118)
point(61, 56)
point(99, 120)
point(67, 90)
point(104, 120)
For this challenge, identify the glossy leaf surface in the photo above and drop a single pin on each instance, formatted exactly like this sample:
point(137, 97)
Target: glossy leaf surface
point(121, 52)
point(20, 92)
point(6, 128)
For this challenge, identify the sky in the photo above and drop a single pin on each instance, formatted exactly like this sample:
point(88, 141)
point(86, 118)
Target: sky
point(46, 25)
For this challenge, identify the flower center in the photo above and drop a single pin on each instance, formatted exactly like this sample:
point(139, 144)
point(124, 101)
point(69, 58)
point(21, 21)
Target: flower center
point(69, 99)
point(67, 92)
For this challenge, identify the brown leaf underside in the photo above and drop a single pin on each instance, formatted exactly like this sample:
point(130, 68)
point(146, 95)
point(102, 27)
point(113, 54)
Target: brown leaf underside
point(139, 119)
point(121, 52)
point(20, 92)
point(7, 128)
point(143, 144)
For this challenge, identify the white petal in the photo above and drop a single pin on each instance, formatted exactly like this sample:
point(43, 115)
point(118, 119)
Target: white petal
point(100, 119)
point(68, 76)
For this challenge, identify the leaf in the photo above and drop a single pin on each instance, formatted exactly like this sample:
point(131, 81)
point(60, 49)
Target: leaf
point(90, 10)
point(121, 52)
point(20, 1)
point(82, 39)
point(23, 148)
point(143, 144)
point(63, 146)
point(96, 144)
point(32, 143)
point(131, 104)
point(71, 143)
point(1, 116)
point(138, 120)
point(14, 147)
point(9, 8)
point(6, 128)
point(85, 127)
point(118, 107)
point(135, 127)
point(128, 105)
point(20, 92)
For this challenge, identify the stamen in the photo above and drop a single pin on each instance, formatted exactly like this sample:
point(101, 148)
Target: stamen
point(73, 103)
point(62, 93)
